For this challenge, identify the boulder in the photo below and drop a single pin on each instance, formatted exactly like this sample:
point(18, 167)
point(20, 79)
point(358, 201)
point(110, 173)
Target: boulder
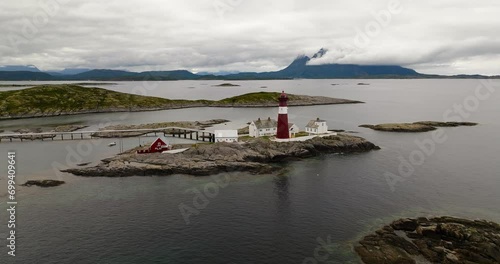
point(43, 183)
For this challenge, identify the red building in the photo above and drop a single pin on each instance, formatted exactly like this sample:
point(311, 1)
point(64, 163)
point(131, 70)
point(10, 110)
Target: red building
point(157, 147)
point(283, 132)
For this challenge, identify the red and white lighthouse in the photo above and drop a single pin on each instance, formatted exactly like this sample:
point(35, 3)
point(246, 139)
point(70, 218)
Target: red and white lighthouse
point(283, 132)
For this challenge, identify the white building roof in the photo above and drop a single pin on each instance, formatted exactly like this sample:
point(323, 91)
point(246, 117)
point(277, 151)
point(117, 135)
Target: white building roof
point(226, 133)
point(265, 123)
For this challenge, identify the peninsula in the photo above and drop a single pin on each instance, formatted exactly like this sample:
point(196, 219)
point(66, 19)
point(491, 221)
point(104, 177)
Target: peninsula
point(259, 156)
point(69, 99)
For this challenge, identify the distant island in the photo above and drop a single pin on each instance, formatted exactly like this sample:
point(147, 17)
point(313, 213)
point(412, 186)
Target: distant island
point(227, 85)
point(300, 68)
point(422, 126)
point(69, 99)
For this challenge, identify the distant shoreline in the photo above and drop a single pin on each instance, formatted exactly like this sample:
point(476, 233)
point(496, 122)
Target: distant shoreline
point(262, 79)
point(167, 108)
point(13, 85)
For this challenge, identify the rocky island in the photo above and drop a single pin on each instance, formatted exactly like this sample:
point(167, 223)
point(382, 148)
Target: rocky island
point(445, 240)
point(70, 99)
point(258, 156)
point(43, 183)
point(422, 126)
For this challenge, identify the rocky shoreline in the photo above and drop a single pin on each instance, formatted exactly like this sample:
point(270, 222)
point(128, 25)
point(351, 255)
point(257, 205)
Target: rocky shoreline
point(422, 126)
point(445, 240)
point(259, 156)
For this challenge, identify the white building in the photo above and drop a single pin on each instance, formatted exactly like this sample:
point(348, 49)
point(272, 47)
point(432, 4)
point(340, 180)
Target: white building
point(317, 127)
point(226, 136)
point(293, 129)
point(261, 128)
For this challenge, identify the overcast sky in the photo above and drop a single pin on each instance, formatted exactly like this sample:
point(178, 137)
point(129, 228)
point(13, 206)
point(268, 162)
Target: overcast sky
point(444, 37)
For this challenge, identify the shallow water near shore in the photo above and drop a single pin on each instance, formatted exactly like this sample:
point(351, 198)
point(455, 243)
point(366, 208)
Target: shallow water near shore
point(257, 218)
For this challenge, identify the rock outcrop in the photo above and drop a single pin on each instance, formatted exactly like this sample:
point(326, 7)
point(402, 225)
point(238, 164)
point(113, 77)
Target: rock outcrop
point(422, 126)
point(444, 240)
point(43, 183)
point(258, 156)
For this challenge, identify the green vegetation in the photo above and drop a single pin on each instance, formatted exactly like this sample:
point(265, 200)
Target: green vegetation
point(65, 99)
point(245, 138)
point(256, 98)
point(60, 99)
point(227, 85)
point(301, 134)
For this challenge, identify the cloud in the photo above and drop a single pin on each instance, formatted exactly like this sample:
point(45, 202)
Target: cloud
point(210, 35)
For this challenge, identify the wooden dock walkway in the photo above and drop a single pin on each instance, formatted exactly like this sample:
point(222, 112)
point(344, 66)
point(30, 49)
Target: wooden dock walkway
point(186, 133)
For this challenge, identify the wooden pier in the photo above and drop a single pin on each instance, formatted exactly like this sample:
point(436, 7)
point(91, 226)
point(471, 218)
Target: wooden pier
point(179, 132)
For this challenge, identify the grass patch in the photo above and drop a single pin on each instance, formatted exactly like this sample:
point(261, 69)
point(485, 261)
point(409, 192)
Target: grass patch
point(63, 99)
point(301, 134)
point(255, 98)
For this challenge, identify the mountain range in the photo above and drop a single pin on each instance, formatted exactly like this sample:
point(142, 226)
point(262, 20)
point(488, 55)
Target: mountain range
point(300, 68)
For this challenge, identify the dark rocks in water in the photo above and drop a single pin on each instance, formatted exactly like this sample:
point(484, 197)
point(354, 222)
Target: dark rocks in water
point(43, 183)
point(422, 126)
point(258, 156)
point(438, 240)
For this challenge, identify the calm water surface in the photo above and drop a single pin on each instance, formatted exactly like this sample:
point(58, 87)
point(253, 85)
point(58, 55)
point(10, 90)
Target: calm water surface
point(257, 218)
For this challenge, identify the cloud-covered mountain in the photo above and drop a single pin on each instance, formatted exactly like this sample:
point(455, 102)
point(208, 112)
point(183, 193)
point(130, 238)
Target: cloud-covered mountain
point(302, 67)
